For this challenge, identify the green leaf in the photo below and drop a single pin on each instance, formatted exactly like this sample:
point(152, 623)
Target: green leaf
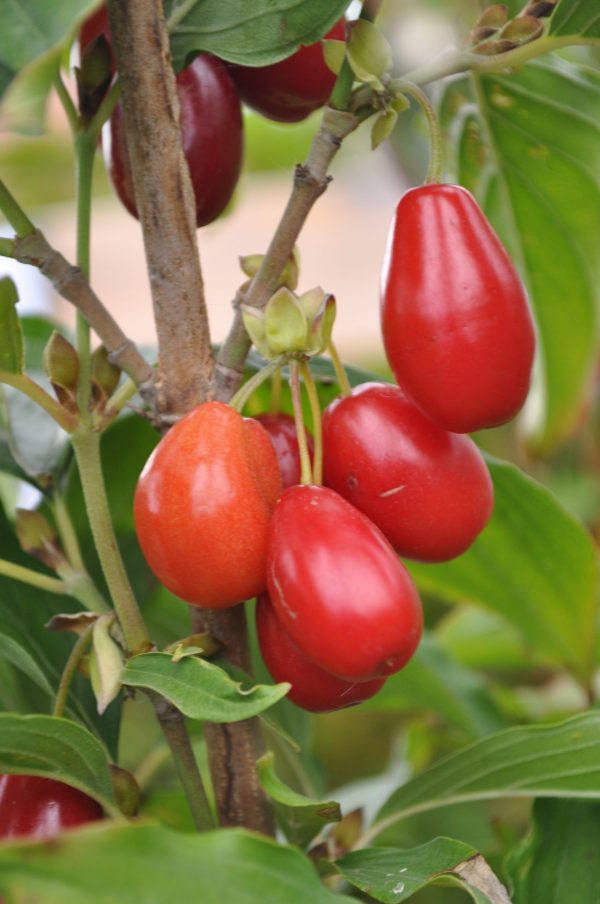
point(200, 689)
point(369, 53)
point(558, 861)
point(535, 565)
point(558, 760)
point(12, 651)
point(527, 149)
point(131, 864)
point(383, 127)
point(434, 682)
point(480, 639)
point(11, 338)
point(300, 817)
point(32, 37)
point(264, 33)
point(57, 749)
point(576, 17)
point(393, 875)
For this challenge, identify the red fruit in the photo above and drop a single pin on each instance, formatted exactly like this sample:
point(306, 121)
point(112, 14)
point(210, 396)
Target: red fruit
point(203, 505)
point(34, 807)
point(313, 688)
point(429, 491)
point(282, 430)
point(338, 588)
point(292, 89)
point(211, 133)
point(456, 324)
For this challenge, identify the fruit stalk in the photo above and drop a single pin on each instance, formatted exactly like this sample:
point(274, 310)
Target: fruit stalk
point(165, 203)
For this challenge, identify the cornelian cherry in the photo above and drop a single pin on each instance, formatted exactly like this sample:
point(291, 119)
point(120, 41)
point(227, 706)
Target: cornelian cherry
point(282, 431)
point(292, 89)
point(338, 588)
point(456, 323)
point(428, 490)
point(203, 506)
point(36, 807)
point(312, 688)
point(211, 134)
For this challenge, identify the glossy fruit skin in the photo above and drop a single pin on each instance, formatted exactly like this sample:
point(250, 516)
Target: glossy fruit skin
point(203, 506)
point(212, 138)
point(282, 431)
point(292, 89)
point(313, 688)
point(429, 491)
point(338, 588)
point(35, 807)
point(456, 323)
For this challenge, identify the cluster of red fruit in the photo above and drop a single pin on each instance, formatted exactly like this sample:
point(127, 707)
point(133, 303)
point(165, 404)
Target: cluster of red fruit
point(337, 612)
point(210, 91)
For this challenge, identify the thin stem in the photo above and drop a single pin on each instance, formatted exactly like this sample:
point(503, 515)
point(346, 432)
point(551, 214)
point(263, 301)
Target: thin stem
point(84, 157)
point(340, 372)
point(37, 394)
point(7, 247)
point(315, 407)
point(86, 445)
point(305, 467)
point(15, 215)
point(80, 586)
point(119, 399)
point(275, 399)
point(67, 533)
point(75, 656)
point(67, 102)
point(174, 729)
point(243, 394)
point(434, 171)
point(33, 578)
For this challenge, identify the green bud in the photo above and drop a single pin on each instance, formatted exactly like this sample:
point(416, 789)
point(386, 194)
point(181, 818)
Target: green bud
point(254, 321)
point(250, 264)
point(285, 323)
point(291, 272)
point(93, 77)
point(126, 789)
point(37, 537)
point(321, 325)
point(105, 374)
point(522, 30)
point(383, 127)
point(334, 53)
point(369, 54)
point(61, 363)
point(494, 16)
point(202, 644)
point(106, 662)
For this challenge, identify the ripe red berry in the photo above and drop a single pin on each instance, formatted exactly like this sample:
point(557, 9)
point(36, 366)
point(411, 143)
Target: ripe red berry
point(35, 807)
point(282, 431)
point(428, 490)
point(456, 324)
point(338, 588)
point(292, 89)
point(211, 134)
point(203, 505)
point(313, 688)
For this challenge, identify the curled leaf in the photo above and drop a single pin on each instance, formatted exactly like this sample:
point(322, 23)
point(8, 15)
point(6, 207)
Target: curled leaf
point(106, 662)
point(76, 623)
point(383, 127)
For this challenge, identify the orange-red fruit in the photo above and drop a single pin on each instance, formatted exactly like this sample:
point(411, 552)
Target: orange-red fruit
point(203, 506)
point(456, 324)
point(312, 688)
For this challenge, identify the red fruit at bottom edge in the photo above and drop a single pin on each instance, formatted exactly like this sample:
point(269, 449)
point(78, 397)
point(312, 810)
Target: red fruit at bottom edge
point(338, 588)
point(282, 431)
point(36, 807)
point(428, 490)
point(312, 688)
point(211, 135)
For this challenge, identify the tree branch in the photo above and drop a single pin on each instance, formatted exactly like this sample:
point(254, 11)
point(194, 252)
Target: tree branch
point(165, 202)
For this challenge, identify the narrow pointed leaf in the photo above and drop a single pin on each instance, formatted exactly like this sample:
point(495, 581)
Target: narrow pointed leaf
point(11, 338)
point(576, 17)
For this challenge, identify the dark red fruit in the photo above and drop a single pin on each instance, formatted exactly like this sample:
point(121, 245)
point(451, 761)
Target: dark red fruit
point(456, 324)
point(34, 807)
point(313, 688)
point(292, 89)
point(428, 490)
point(282, 430)
point(338, 588)
point(211, 134)
point(203, 505)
